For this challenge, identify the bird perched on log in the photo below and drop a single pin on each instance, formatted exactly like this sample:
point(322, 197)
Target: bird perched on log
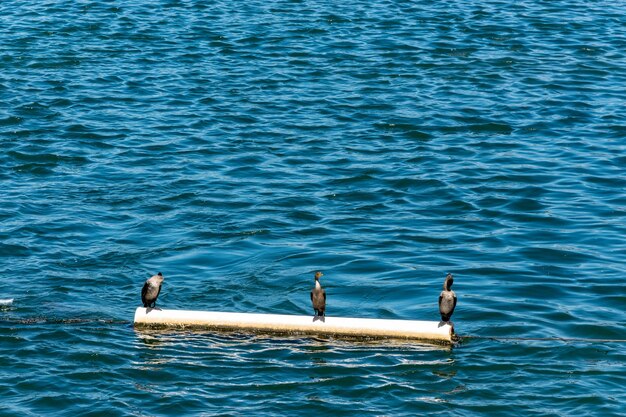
point(318, 296)
point(151, 290)
point(447, 299)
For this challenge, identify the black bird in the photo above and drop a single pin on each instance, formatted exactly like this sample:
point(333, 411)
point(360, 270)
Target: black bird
point(318, 296)
point(447, 299)
point(151, 289)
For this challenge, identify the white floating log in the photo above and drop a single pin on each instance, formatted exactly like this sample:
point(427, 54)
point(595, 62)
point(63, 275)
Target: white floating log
point(278, 323)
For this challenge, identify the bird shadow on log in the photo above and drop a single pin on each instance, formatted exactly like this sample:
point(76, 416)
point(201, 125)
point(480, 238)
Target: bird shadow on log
point(149, 309)
point(321, 318)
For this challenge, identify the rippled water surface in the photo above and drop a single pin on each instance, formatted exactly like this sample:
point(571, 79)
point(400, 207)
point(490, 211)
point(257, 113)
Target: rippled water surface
point(240, 146)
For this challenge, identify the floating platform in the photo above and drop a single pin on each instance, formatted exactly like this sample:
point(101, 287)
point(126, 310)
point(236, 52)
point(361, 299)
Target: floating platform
point(431, 331)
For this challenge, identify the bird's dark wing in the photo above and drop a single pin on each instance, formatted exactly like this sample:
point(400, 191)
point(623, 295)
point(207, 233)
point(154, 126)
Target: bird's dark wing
point(324, 294)
point(144, 290)
point(311, 295)
point(440, 298)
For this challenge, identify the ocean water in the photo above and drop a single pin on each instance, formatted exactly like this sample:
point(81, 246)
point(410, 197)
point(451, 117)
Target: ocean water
point(238, 147)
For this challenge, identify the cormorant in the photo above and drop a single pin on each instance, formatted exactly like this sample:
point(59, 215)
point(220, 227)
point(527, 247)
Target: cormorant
point(151, 289)
point(447, 299)
point(318, 296)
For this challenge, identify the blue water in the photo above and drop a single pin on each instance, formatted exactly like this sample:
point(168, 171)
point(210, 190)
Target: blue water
point(240, 146)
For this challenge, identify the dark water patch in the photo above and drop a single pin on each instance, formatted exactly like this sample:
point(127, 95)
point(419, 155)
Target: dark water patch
point(51, 159)
point(35, 169)
point(409, 130)
point(554, 256)
point(9, 250)
point(525, 205)
point(10, 121)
